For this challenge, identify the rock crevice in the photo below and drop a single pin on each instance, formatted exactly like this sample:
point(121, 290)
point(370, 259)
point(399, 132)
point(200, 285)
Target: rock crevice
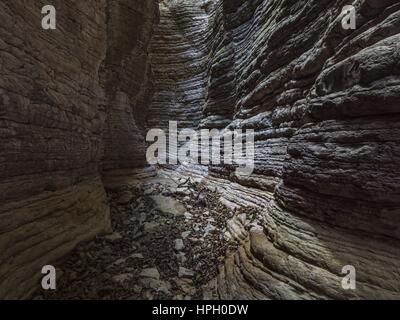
point(323, 103)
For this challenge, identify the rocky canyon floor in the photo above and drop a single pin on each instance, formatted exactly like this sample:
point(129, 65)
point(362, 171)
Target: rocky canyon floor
point(170, 237)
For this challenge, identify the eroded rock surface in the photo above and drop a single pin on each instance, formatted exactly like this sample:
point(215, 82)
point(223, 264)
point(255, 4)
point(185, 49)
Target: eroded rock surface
point(65, 106)
point(324, 104)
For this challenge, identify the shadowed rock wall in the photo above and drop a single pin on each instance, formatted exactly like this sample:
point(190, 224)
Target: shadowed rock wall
point(322, 100)
point(62, 95)
point(128, 82)
point(324, 104)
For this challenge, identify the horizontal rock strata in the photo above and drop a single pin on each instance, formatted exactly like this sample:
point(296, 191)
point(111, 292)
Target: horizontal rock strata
point(65, 105)
point(323, 103)
point(75, 103)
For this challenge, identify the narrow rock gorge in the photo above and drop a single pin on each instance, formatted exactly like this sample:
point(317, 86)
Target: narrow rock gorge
point(77, 191)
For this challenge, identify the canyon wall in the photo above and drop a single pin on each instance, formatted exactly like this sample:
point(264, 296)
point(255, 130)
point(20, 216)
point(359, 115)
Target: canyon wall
point(179, 60)
point(323, 102)
point(67, 98)
point(128, 82)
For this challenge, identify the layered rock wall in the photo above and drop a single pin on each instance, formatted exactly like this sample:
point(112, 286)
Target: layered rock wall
point(66, 102)
point(179, 52)
point(128, 82)
point(323, 103)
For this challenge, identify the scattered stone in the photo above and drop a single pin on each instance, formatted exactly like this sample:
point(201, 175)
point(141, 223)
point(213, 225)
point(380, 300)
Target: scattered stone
point(137, 289)
point(148, 295)
point(185, 273)
point(149, 191)
point(201, 200)
point(188, 216)
point(125, 198)
point(150, 273)
point(137, 235)
point(183, 191)
point(170, 244)
point(134, 246)
point(116, 236)
point(156, 285)
point(122, 278)
point(136, 256)
point(120, 261)
point(210, 290)
point(179, 245)
point(186, 285)
point(168, 205)
point(150, 226)
point(181, 256)
point(209, 228)
point(185, 234)
point(228, 236)
point(143, 217)
point(130, 270)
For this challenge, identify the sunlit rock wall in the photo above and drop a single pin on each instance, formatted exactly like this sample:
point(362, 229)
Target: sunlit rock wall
point(128, 82)
point(323, 102)
point(179, 56)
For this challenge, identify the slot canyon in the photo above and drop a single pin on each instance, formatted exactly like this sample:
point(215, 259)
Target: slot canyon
point(77, 192)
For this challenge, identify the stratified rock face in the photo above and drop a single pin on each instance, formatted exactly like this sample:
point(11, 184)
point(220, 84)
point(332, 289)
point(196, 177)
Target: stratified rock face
point(128, 81)
point(322, 100)
point(324, 105)
point(55, 96)
point(179, 51)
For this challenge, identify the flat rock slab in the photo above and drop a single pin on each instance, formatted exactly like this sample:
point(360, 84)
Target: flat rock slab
point(185, 273)
point(150, 273)
point(169, 205)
